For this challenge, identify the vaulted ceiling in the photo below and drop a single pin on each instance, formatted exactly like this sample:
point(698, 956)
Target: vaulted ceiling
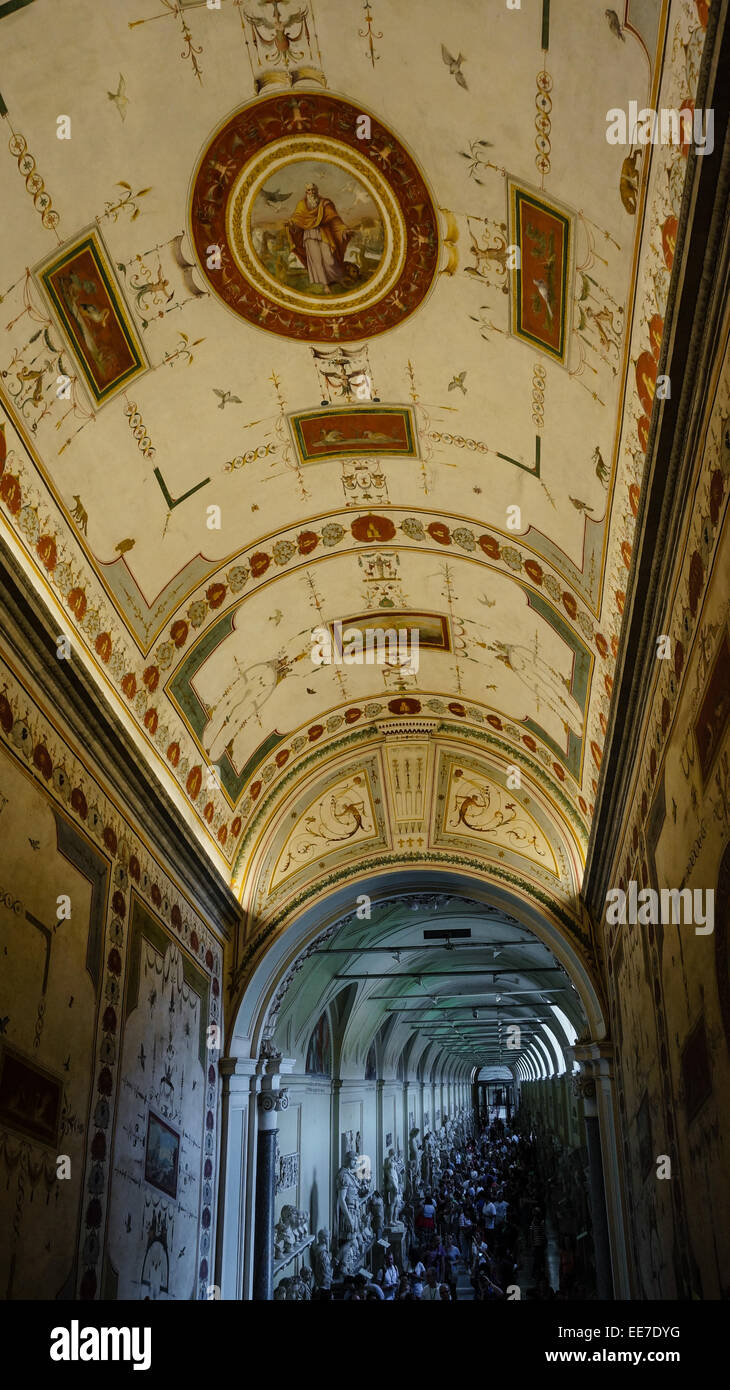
point(430, 974)
point(207, 451)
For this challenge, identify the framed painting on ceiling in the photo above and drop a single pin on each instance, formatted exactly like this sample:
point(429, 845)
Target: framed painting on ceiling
point(81, 288)
point(384, 431)
point(540, 283)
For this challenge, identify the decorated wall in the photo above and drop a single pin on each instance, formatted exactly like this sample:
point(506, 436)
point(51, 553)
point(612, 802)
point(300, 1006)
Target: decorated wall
point(110, 985)
point(670, 995)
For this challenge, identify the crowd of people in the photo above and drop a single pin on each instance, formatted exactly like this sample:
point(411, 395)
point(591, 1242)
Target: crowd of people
point(482, 1231)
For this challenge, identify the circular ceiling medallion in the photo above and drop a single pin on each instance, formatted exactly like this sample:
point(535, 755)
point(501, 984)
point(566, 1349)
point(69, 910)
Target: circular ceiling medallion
point(321, 236)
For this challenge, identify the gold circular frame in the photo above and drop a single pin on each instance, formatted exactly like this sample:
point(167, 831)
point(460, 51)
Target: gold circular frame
point(238, 225)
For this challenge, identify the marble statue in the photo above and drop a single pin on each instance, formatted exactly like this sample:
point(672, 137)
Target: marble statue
point(366, 1231)
point(408, 1219)
point(349, 1258)
point(414, 1159)
point(377, 1214)
point(350, 1191)
point(322, 1261)
point(291, 1230)
point(427, 1160)
point(391, 1187)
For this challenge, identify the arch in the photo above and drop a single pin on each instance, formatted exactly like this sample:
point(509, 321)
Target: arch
point(277, 962)
point(419, 1076)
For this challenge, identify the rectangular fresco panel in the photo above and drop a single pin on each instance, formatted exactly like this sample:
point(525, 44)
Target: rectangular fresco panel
point(354, 430)
point(162, 1155)
point(433, 628)
point(540, 285)
point(80, 285)
point(30, 1098)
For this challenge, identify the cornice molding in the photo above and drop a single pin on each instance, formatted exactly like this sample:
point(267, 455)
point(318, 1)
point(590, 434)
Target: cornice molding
point(69, 691)
point(698, 299)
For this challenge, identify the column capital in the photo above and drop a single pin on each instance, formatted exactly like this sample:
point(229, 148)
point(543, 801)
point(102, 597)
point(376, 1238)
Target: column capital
point(584, 1086)
point(270, 1101)
point(273, 1100)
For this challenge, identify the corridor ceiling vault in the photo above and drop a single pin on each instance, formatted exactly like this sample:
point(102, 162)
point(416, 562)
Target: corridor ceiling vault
point(430, 974)
point(205, 454)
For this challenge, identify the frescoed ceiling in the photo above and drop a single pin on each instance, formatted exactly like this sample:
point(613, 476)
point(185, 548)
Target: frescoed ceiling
point(221, 429)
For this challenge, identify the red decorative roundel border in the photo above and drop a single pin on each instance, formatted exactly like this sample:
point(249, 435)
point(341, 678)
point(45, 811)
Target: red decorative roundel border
point(242, 139)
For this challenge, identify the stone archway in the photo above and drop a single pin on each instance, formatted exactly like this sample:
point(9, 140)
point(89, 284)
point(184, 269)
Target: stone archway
point(256, 1069)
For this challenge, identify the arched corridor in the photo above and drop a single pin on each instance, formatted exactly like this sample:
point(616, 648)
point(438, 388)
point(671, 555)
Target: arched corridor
point(373, 1035)
point(364, 659)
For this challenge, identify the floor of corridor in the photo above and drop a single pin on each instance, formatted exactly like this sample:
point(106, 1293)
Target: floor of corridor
point(524, 1279)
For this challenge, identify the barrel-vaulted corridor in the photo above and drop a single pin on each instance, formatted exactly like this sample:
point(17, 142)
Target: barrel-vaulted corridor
point(364, 652)
point(377, 1036)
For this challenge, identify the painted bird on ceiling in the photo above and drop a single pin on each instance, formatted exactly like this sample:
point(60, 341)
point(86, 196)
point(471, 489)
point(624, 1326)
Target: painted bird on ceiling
point(614, 24)
point(120, 100)
point(601, 467)
point(226, 398)
point(275, 196)
point(580, 506)
point(543, 290)
point(458, 381)
point(454, 66)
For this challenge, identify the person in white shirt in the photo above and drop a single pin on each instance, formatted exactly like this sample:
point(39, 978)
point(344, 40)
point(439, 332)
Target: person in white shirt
point(391, 1277)
point(430, 1289)
point(489, 1214)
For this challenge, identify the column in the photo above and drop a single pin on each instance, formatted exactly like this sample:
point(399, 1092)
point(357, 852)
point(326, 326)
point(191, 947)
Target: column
point(597, 1064)
point(379, 1136)
point(586, 1089)
point(270, 1102)
point(234, 1214)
